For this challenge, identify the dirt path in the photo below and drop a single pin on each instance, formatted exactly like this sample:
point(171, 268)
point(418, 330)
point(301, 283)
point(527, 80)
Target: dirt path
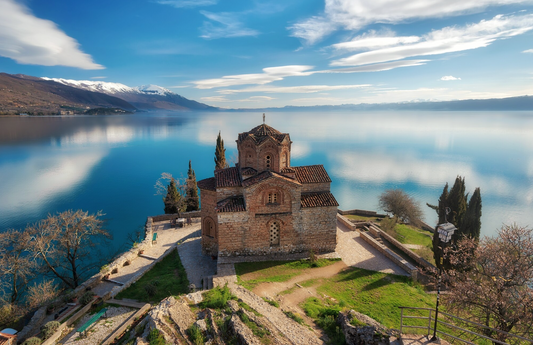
point(271, 289)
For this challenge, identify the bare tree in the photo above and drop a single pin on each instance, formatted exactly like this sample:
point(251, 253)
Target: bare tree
point(17, 268)
point(493, 282)
point(401, 206)
point(41, 293)
point(67, 244)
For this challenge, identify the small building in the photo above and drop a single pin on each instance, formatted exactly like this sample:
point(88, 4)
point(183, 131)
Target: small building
point(263, 205)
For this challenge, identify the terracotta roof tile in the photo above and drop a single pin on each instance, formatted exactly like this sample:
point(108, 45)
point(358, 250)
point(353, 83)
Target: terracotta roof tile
point(208, 184)
point(287, 170)
point(321, 199)
point(248, 171)
point(311, 174)
point(265, 175)
point(261, 133)
point(228, 177)
point(232, 204)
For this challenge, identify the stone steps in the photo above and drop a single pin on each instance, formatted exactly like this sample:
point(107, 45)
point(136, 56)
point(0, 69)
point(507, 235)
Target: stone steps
point(207, 283)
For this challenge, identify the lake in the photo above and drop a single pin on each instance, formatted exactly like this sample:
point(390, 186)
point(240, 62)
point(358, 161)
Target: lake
point(111, 163)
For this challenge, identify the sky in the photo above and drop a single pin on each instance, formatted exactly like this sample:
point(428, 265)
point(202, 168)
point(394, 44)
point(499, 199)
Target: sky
point(253, 54)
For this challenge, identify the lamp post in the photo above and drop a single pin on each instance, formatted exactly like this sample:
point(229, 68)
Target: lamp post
point(445, 231)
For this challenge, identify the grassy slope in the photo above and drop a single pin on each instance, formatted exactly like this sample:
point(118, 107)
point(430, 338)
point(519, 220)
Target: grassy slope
point(275, 271)
point(168, 276)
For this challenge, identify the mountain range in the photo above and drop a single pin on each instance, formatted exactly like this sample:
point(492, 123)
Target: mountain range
point(26, 94)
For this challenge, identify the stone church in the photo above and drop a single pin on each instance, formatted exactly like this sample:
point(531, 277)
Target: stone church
point(264, 205)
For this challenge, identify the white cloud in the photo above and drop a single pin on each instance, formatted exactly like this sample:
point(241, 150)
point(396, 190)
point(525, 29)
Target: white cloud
point(313, 29)
point(377, 67)
point(215, 99)
point(372, 40)
point(447, 40)
point(449, 78)
point(257, 99)
point(187, 3)
point(294, 89)
point(35, 41)
point(100, 77)
point(270, 74)
point(223, 25)
point(528, 51)
point(355, 14)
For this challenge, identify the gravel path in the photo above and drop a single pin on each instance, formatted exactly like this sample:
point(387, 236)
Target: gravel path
point(354, 251)
point(99, 330)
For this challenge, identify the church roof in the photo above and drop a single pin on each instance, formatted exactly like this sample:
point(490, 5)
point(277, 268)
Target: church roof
point(263, 176)
point(228, 177)
point(318, 199)
point(231, 204)
point(311, 174)
point(261, 133)
point(208, 183)
point(248, 171)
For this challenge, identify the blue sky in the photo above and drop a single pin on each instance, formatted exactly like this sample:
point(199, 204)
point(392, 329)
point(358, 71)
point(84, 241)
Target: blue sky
point(248, 54)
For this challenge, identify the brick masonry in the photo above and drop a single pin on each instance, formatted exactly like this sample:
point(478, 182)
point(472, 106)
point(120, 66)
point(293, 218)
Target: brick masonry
point(253, 232)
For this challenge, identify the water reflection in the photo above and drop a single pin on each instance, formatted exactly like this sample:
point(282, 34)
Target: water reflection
point(111, 162)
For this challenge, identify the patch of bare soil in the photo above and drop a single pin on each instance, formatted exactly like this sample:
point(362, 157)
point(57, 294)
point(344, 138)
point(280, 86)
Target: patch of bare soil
point(271, 289)
point(291, 301)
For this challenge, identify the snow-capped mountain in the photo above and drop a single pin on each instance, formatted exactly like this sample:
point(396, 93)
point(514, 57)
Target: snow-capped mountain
point(142, 97)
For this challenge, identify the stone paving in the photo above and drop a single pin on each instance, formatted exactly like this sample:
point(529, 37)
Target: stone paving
point(196, 264)
point(354, 251)
point(167, 237)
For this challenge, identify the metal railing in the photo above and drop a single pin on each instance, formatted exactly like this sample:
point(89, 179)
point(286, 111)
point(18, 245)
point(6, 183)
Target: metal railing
point(451, 318)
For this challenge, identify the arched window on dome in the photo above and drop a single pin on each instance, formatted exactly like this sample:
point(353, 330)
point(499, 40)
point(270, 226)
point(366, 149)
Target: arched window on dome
point(268, 162)
point(273, 198)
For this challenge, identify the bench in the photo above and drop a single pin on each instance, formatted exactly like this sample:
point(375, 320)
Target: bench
point(92, 320)
point(154, 238)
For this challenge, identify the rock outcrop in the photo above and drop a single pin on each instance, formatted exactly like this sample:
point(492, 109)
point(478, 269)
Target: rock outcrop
point(360, 329)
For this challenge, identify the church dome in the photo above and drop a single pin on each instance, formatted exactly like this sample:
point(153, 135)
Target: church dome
point(261, 132)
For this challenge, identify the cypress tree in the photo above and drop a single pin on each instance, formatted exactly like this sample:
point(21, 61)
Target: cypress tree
point(192, 191)
point(472, 222)
point(220, 154)
point(173, 199)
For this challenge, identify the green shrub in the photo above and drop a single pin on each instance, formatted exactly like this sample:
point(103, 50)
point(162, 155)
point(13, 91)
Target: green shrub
point(151, 289)
point(271, 302)
point(195, 335)
point(49, 328)
point(87, 297)
point(156, 338)
point(32, 341)
point(217, 298)
point(295, 317)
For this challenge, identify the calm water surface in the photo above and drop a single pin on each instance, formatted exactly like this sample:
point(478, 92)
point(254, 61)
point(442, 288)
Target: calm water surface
point(111, 163)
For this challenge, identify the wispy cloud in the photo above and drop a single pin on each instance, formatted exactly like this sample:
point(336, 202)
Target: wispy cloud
point(447, 40)
point(378, 67)
point(269, 75)
point(528, 51)
point(187, 3)
point(294, 89)
point(100, 77)
point(223, 25)
point(355, 14)
point(373, 40)
point(313, 29)
point(215, 99)
point(449, 78)
point(35, 41)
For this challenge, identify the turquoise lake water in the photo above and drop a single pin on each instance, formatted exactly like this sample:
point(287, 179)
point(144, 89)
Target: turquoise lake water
point(111, 163)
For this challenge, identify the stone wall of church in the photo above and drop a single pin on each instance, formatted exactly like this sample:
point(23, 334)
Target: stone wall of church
point(208, 212)
point(315, 187)
point(226, 192)
point(320, 228)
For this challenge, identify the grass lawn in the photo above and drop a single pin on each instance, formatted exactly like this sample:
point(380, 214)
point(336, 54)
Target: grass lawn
point(363, 218)
point(166, 278)
point(412, 235)
point(375, 294)
point(275, 271)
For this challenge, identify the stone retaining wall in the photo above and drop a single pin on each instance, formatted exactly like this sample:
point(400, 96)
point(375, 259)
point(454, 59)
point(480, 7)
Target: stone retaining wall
point(406, 266)
point(122, 328)
point(362, 213)
point(419, 260)
point(194, 215)
point(345, 221)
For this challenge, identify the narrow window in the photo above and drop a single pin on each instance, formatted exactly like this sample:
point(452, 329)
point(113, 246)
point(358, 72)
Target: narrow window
point(275, 198)
point(274, 234)
point(267, 162)
point(269, 198)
